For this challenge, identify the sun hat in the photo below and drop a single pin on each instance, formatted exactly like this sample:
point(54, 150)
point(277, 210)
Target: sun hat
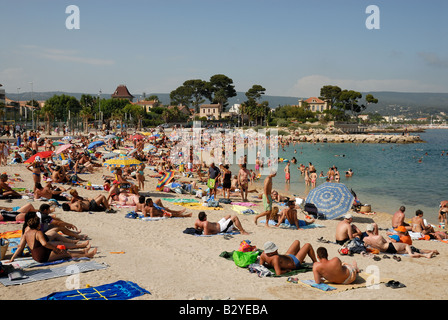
point(270, 247)
point(370, 227)
point(348, 216)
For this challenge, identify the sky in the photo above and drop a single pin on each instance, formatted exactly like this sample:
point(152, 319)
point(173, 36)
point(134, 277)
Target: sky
point(290, 47)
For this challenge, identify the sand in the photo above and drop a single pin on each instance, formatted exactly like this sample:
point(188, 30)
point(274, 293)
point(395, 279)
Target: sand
point(172, 265)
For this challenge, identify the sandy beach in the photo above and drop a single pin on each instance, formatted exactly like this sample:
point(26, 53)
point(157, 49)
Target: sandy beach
point(172, 265)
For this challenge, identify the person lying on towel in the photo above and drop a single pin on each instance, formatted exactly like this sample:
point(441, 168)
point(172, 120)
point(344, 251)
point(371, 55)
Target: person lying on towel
point(225, 225)
point(157, 209)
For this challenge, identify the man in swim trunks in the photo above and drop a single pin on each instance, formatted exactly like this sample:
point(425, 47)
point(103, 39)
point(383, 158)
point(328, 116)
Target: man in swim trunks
point(267, 199)
point(226, 224)
point(97, 204)
point(243, 181)
point(157, 209)
point(291, 260)
point(386, 246)
point(346, 231)
point(398, 219)
point(334, 270)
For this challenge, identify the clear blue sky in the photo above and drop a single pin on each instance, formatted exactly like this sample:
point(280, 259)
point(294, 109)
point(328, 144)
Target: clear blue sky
point(290, 47)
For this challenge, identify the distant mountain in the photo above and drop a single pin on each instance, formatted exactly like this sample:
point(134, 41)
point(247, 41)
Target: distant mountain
point(389, 103)
point(395, 103)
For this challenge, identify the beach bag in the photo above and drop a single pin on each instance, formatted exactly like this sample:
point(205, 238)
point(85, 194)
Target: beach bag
point(211, 183)
point(213, 203)
point(225, 201)
point(245, 246)
point(356, 246)
point(244, 259)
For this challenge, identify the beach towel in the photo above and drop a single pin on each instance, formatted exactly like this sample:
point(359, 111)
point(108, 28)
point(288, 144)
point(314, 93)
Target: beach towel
point(244, 204)
point(197, 206)
point(362, 281)
point(166, 178)
point(177, 200)
point(45, 274)
point(302, 225)
point(243, 209)
point(120, 290)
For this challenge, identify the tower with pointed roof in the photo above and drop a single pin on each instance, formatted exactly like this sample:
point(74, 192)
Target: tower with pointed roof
point(122, 92)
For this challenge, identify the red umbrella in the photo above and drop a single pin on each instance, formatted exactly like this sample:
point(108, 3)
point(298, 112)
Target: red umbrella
point(42, 155)
point(137, 137)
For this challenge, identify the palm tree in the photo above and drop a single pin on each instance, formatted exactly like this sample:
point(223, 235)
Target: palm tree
point(48, 113)
point(86, 115)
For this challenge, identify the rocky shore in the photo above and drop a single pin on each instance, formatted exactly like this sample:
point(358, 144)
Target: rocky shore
point(355, 138)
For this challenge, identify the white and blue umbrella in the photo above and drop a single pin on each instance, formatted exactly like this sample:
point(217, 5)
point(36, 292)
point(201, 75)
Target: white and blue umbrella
point(68, 138)
point(96, 144)
point(331, 199)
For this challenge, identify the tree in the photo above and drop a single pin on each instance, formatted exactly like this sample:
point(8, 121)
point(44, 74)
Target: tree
point(219, 89)
point(137, 113)
point(86, 114)
point(48, 111)
point(252, 108)
point(181, 96)
point(198, 90)
point(330, 94)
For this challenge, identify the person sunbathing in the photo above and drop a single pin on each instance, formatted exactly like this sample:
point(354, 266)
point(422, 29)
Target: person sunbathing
point(157, 209)
point(98, 204)
point(226, 224)
point(49, 192)
point(6, 192)
point(289, 215)
point(334, 270)
point(43, 250)
point(291, 260)
point(387, 246)
point(16, 214)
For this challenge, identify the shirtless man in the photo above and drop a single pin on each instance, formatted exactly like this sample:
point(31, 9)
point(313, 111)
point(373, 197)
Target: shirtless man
point(267, 199)
point(346, 231)
point(291, 260)
point(383, 245)
point(243, 181)
point(226, 224)
point(48, 192)
point(5, 190)
point(398, 219)
point(97, 204)
point(157, 209)
point(334, 271)
point(289, 215)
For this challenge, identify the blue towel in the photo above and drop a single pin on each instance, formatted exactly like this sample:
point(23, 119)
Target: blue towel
point(320, 286)
point(120, 290)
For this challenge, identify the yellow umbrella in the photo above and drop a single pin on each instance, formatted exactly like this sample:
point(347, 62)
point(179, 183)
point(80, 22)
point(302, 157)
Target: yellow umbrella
point(122, 161)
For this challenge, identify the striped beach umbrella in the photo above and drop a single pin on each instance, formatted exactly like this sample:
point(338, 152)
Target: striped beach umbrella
point(122, 161)
point(331, 199)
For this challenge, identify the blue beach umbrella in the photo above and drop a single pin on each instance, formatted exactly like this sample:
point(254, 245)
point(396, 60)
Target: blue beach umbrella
point(95, 144)
point(331, 199)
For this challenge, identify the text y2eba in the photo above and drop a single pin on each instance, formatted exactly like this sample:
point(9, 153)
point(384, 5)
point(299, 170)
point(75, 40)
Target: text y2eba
point(226, 309)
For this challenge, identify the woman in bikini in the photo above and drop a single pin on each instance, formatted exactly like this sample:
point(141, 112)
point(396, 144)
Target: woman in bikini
point(37, 169)
point(43, 250)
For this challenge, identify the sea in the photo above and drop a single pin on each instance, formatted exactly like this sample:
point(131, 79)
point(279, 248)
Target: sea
point(386, 176)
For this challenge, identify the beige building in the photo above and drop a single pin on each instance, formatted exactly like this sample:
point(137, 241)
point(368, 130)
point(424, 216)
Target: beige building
point(210, 111)
point(314, 104)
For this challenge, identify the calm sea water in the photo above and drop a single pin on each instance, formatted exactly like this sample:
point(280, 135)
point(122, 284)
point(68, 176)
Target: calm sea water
point(386, 176)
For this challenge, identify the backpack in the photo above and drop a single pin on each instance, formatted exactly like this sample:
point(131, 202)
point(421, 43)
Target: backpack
point(243, 259)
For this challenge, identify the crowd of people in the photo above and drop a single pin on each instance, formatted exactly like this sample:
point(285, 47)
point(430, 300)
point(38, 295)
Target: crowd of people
point(56, 177)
